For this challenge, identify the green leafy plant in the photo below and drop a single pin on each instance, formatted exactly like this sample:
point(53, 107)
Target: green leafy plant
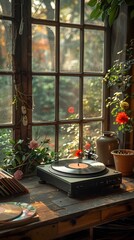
point(119, 77)
point(26, 155)
point(109, 9)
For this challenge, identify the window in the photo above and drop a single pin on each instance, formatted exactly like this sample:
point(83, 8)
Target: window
point(52, 63)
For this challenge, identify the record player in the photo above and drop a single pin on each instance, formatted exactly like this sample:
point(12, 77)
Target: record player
point(79, 177)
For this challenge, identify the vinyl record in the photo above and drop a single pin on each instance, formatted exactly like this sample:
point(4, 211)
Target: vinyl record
point(78, 168)
point(28, 211)
point(9, 211)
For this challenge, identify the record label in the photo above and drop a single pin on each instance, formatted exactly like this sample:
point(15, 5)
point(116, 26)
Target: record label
point(78, 165)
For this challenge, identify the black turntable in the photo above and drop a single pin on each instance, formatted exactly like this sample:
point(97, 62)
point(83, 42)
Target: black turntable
point(79, 177)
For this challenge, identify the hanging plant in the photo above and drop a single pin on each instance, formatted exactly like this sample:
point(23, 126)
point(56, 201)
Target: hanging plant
point(109, 9)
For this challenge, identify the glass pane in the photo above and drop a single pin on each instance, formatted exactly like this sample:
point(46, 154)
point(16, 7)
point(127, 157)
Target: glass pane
point(6, 99)
point(87, 13)
point(69, 97)
point(91, 131)
point(94, 51)
point(5, 45)
point(69, 49)
point(92, 97)
point(43, 98)
point(43, 9)
point(68, 140)
point(70, 11)
point(43, 48)
point(5, 136)
point(5, 7)
point(40, 133)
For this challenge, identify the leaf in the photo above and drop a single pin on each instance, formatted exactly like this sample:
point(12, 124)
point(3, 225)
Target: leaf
point(115, 3)
point(12, 141)
point(95, 13)
point(20, 141)
point(92, 3)
point(23, 158)
point(104, 14)
point(113, 15)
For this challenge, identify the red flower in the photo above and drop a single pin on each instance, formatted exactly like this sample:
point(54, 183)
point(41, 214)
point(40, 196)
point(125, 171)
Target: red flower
point(87, 146)
point(122, 118)
point(78, 153)
point(71, 109)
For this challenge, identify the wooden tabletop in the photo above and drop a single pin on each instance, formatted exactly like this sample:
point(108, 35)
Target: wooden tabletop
point(58, 215)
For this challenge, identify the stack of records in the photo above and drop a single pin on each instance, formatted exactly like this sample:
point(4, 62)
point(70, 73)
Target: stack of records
point(9, 186)
point(14, 214)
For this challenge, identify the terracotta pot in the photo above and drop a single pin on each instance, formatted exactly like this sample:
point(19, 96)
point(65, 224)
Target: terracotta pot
point(104, 145)
point(124, 161)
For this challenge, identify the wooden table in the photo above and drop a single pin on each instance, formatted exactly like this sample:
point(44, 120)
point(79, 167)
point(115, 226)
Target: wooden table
point(60, 215)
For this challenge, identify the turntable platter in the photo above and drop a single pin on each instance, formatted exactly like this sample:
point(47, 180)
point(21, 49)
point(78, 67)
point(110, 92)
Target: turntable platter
point(73, 168)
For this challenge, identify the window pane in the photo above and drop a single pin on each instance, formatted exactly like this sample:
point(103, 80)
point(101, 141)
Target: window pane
point(94, 51)
point(87, 19)
point(40, 133)
point(69, 97)
point(70, 11)
point(43, 9)
point(43, 48)
point(6, 99)
point(68, 139)
point(91, 131)
point(92, 97)
point(5, 7)
point(43, 98)
point(5, 136)
point(5, 45)
point(69, 49)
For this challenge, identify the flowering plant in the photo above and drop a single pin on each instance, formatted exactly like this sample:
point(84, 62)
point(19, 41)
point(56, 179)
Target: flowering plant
point(87, 152)
point(119, 77)
point(22, 157)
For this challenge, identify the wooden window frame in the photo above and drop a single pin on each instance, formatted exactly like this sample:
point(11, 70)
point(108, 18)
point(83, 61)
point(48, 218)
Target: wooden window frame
point(22, 71)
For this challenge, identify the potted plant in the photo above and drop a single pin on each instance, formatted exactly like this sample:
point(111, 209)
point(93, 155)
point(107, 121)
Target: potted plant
point(119, 79)
point(124, 161)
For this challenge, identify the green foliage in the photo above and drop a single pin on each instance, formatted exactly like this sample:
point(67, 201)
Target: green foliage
point(119, 74)
point(108, 9)
point(26, 155)
point(120, 79)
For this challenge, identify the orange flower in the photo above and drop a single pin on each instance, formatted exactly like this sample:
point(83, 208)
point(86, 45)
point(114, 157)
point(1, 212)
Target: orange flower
point(122, 118)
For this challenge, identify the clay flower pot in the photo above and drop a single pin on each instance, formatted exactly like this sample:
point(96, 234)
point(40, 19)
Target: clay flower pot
point(124, 161)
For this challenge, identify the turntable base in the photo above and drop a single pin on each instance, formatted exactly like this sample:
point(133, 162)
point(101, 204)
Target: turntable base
point(75, 184)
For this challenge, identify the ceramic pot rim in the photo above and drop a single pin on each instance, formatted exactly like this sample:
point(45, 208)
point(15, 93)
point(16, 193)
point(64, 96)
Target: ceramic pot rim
point(128, 152)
